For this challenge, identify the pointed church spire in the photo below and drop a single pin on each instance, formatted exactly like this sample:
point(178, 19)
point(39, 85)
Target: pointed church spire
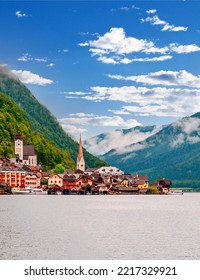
point(80, 163)
point(80, 149)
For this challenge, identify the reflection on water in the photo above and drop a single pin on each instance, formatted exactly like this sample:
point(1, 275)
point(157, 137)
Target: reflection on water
point(100, 227)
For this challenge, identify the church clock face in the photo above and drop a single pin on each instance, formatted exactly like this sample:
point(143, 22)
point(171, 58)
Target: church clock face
point(18, 143)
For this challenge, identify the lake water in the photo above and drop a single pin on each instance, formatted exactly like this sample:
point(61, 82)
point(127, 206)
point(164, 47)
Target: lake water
point(100, 227)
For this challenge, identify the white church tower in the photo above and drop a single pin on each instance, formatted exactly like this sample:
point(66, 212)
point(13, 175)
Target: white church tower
point(25, 154)
point(80, 163)
point(19, 146)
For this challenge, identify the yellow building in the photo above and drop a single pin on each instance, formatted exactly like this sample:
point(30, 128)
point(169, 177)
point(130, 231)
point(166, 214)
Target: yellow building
point(55, 179)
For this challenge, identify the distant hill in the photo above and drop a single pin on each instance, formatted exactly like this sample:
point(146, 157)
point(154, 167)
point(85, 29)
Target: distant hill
point(102, 143)
point(173, 152)
point(40, 119)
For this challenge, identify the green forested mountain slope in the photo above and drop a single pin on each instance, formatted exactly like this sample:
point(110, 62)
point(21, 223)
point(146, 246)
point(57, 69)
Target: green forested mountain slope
point(12, 119)
point(173, 152)
point(39, 117)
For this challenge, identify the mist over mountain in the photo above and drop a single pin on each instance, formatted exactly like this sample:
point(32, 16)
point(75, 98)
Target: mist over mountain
point(172, 152)
point(119, 138)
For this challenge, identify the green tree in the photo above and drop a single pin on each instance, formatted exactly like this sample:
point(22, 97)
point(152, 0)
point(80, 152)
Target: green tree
point(153, 188)
point(59, 168)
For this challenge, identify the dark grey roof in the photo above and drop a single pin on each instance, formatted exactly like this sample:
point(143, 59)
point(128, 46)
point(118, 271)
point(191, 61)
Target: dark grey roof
point(78, 171)
point(11, 168)
point(46, 174)
point(91, 169)
point(26, 168)
point(29, 150)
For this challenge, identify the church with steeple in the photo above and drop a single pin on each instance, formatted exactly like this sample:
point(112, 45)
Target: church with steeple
point(80, 163)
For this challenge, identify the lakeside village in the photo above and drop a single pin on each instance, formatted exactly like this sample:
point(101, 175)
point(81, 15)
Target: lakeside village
point(22, 175)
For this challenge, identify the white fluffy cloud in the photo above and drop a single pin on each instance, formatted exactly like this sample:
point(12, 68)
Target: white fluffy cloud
point(77, 123)
point(144, 101)
point(50, 65)
point(115, 41)
point(73, 130)
point(27, 57)
point(81, 115)
point(114, 47)
point(74, 93)
point(95, 120)
point(184, 48)
point(125, 60)
point(152, 11)
point(20, 14)
point(28, 77)
point(166, 78)
point(124, 8)
point(110, 60)
point(165, 26)
point(148, 59)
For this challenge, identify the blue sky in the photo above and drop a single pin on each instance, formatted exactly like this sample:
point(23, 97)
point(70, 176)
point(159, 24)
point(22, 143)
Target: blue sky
point(103, 65)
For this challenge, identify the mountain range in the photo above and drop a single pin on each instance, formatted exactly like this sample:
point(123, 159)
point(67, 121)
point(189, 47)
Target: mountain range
point(171, 151)
point(38, 120)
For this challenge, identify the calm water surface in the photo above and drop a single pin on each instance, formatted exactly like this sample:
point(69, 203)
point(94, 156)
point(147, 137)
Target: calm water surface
point(100, 227)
